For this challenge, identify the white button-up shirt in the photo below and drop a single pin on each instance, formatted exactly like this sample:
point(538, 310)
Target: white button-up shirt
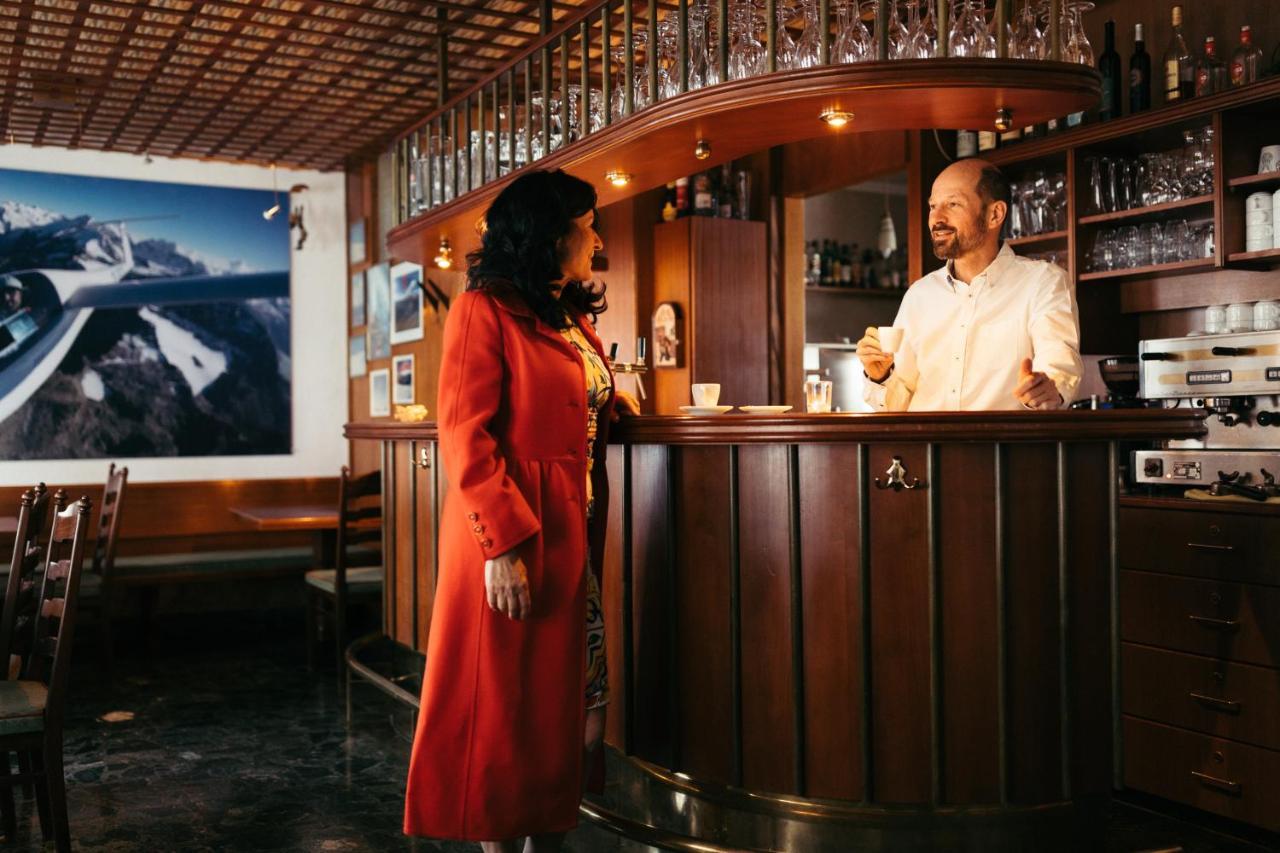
point(963, 344)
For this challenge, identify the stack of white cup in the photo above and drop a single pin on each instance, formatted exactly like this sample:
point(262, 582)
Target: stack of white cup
point(1259, 222)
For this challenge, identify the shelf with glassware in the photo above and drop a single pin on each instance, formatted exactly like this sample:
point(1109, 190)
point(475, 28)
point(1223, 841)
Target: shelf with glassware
point(745, 85)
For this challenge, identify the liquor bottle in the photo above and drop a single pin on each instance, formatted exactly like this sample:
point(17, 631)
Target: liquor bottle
point(682, 197)
point(1139, 74)
point(1109, 68)
point(726, 191)
point(966, 144)
point(703, 198)
point(1179, 67)
point(1211, 72)
point(1246, 62)
point(669, 203)
point(846, 266)
point(815, 264)
point(988, 140)
point(837, 265)
point(824, 278)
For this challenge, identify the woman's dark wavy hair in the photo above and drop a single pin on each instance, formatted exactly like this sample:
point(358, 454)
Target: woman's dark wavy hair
point(520, 246)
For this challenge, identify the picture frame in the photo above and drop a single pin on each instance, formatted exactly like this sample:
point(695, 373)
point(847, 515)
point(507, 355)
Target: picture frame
point(380, 393)
point(406, 303)
point(356, 250)
point(357, 298)
point(378, 312)
point(357, 365)
point(402, 391)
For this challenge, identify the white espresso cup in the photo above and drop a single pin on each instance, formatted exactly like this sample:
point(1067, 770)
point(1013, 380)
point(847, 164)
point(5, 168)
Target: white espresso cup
point(706, 393)
point(1258, 201)
point(890, 338)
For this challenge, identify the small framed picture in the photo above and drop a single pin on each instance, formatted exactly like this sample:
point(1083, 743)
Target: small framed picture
point(380, 393)
point(356, 364)
point(402, 370)
point(667, 332)
point(355, 243)
point(406, 303)
point(378, 328)
point(357, 298)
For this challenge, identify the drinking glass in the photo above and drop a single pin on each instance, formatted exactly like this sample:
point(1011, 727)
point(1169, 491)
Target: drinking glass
point(1178, 242)
point(1077, 48)
point(700, 63)
point(1026, 39)
point(640, 85)
point(1058, 201)
point(1110, 186)
point(1155, 243)
point(746, 53)
point(742, 193)
point(1207, 158)
point(1039, 202)
point(784, 46)
point(1017, 223)
point(853, 40)
point(817, 396)
point(668, 58)
point(808, 50)
point(899, 47)
point(1097, 168)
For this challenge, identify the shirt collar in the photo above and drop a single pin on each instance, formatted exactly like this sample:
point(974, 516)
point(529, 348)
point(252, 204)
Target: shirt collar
point(989, 275)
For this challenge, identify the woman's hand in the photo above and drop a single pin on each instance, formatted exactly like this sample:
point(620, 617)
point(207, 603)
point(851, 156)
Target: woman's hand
point(506, 586)
point(624, 404)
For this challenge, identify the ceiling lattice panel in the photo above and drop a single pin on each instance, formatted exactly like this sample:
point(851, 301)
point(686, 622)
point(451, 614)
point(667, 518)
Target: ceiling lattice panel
point(306, 83)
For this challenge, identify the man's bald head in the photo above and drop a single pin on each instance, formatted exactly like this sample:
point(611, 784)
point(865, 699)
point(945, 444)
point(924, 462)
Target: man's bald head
point(987, 181)
point(968, 205)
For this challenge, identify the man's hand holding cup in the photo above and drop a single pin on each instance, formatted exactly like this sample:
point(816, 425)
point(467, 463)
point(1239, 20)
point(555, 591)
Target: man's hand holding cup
point(875, 361)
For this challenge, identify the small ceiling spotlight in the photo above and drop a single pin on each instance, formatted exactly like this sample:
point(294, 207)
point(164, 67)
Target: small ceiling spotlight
point(702, 150)
point(1004, 120)
point(270, 212)
point(836, 118)
point(617, 177)
point(444, 255)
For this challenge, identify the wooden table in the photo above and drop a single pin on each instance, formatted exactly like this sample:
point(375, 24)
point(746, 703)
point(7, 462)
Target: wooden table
point(320, 520)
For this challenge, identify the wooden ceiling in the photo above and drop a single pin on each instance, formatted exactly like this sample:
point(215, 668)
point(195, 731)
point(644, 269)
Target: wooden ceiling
point(304, 83)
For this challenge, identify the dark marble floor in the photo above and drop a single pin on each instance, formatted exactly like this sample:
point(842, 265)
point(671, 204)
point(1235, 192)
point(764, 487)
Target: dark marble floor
point(213, 737)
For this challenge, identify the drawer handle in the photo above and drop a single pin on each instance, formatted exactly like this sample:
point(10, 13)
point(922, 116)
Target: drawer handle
point(1213, 549)
point(1215, 624)
point(1214, 782)
point(1228, 705)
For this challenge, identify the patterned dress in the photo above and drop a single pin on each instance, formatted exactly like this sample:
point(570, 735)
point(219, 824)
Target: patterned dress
point(599, 386)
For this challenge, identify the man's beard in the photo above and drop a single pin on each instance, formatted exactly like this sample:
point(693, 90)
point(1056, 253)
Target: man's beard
point(956, 243)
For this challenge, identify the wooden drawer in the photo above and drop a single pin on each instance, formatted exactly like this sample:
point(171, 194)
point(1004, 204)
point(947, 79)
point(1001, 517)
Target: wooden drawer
point(1231, 700)
point(1221, 776)
point(1230, 621)
point(1204, 544)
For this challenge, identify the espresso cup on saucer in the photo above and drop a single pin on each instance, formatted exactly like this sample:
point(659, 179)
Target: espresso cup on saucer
point(890, 338)
point(705, 393)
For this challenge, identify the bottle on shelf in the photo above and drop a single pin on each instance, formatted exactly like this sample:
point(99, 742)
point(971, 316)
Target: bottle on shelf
point(726, 191)
point(1179, 66)
point(683, 207)
point(1246, 62)
point(1139, 73)
point(703, 197)
point(846, 266)
point(1110, 71)
point(966, 144)
point(669, 203)
point(1211, 72)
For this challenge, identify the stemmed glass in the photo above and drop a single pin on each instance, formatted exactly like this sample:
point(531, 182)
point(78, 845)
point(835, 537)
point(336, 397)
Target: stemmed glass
point(969, 34)
point(853, 40)
point(746, 53)
point(898, 44)
point(668, 58)
point(808, 50)
point(1026, 40)
point(919, 39)
point(1077, 48)
point(700, 64)
point(784, 47)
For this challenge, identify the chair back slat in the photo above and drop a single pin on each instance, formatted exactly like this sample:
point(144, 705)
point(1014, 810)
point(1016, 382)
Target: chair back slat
point(54, 628)
point(359, 520)
point(104, 550)
point(33, 509)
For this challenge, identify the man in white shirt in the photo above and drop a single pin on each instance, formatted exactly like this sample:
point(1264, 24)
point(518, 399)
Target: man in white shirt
point(989, 330)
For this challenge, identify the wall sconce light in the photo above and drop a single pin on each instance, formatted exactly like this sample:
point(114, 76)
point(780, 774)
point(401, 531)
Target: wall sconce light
point(1004, 120)
point(617, 177)
point(702, 150)
point(444, 255)
point(836, 118)
point(270, 212)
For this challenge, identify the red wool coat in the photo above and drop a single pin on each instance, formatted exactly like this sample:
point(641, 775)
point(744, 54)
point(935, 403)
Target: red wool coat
point(498, 749)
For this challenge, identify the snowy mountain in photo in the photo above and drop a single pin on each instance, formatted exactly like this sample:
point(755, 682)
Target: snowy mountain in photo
point(177, 380)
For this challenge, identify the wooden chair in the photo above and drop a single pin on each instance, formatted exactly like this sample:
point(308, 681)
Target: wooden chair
point(359, 522)
point(31, 708)
point(96, 588)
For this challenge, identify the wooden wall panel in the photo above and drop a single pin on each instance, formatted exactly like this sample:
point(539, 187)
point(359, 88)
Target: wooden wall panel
point(612, 600)
point(1032, 595)
point(833, 620)
point(403, 522)
point(841, 158)
point(702, 630)
point(653, 546)
point(768, 680)
point(425, 553)
point(966, 548)
point(730, 309)
point(672, 283)
point(900, 677)
point(1088, 516)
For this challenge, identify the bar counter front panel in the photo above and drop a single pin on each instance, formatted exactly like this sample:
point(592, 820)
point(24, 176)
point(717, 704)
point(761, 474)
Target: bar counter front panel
point(847, 614)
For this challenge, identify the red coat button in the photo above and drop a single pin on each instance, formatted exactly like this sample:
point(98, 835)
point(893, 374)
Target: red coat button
point(472, 516)
point(486, 543)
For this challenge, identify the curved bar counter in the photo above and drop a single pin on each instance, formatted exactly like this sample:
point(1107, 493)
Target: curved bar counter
point(835, 630)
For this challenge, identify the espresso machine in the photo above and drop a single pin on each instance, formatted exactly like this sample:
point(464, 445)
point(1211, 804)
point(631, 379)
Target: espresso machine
point(1235, 377)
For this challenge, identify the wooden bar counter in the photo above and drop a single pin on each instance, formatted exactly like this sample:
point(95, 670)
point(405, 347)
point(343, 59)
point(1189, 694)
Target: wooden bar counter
point(892, 628)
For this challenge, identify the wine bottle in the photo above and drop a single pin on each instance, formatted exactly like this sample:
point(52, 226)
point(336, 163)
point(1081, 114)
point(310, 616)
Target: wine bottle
point(682, 197)
point(703, 198)
point(1139, 74)
point(1179, 67)
point(1211, 72)
point(726, 191)
point(1246, 62)
point(1109, 68)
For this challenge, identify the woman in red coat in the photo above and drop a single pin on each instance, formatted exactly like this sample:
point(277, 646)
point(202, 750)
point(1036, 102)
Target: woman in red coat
point(514, 690)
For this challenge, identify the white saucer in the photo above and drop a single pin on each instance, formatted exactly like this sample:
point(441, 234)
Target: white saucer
point(765, 410)
point(705, 410)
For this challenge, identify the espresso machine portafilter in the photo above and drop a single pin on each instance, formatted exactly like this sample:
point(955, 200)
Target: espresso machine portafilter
point(1236, 378)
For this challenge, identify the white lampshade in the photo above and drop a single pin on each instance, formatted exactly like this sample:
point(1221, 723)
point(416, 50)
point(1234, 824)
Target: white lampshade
point(887, 242)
